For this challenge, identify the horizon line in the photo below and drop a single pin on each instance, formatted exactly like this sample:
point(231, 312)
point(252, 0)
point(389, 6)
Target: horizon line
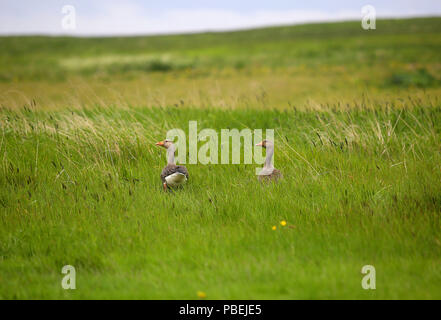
point(217, 31)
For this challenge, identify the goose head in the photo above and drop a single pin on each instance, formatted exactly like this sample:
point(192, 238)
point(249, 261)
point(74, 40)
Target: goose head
point(265, 143)
point(165, 143)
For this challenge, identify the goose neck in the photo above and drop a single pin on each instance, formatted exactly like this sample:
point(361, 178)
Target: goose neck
point(171, 154)
point(269, 156)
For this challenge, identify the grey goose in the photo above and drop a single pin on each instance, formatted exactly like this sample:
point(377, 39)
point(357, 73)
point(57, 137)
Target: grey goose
point(172, 175)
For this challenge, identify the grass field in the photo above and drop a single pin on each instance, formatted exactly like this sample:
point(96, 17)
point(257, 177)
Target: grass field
point(357, 119)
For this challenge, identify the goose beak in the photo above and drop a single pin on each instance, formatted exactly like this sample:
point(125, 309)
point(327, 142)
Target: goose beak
point(259, 144)
point(160, 143)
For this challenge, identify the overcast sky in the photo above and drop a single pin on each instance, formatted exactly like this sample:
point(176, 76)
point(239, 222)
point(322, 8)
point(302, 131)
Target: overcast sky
point(112, 17)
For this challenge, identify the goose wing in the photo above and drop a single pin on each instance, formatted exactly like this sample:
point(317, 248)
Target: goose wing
point(273, 176)
point(172, 168)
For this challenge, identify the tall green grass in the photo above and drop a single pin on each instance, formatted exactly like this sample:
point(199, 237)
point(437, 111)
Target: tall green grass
point(82, 187)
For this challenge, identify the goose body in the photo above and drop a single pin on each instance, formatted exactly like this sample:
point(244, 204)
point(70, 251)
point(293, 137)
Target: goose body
point(273, 176)
point(269, 173)
point(172, 175)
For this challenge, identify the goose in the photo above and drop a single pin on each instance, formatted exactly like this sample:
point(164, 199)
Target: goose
point(268, 173)
point(172, 175)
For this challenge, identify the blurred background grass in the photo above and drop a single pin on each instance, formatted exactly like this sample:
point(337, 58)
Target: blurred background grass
point(316, 64)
